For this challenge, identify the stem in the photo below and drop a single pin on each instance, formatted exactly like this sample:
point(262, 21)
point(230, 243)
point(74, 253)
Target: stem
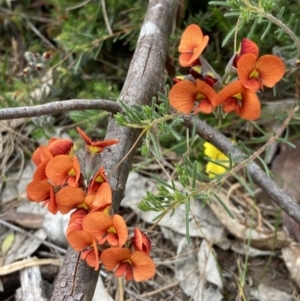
point(60, 107)
point(282, 199)
point(276, 21)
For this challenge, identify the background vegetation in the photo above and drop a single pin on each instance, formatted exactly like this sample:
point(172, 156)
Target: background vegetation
point(91, 48)
point(89, 56)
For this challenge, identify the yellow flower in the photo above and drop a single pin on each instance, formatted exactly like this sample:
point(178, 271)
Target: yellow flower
point(213, 169)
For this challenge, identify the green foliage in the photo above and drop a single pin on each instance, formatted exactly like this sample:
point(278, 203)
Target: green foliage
point(87, 61)
point(90, 61)
point(263, 16)
point(154, 121)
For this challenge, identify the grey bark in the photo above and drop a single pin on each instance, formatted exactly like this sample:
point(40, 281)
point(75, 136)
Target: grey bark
point(59, 107)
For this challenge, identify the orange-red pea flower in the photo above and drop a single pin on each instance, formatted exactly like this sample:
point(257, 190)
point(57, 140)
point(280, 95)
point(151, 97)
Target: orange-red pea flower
point(68, 198)
point(78, 214)
point(62, 169)
point(99, 194)
point(100, 199)
point(98, 179)
point(141, 241)
point(82, 241)
point(42, 191)
point(191, 45)
point(247, 46)
point(104, 227)
point(41, 154)
point(95, 147)
point(91, 256)
point(40, 172)
point(235, 98)
point(254, 73)
point(133, 265)
point(187, 96)
point(54, 148)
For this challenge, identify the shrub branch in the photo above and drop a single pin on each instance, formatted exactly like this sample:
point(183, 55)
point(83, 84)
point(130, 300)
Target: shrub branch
point(260, 178)
point(77, 281)
point(60, 107)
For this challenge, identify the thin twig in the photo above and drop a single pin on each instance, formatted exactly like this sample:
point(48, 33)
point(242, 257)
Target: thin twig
point(166, 287)
point(282, 199)
point(26, 16)
point(43, 242)
point(42, 37)
point(105, 17)
point(60, 107)
point(78, 5)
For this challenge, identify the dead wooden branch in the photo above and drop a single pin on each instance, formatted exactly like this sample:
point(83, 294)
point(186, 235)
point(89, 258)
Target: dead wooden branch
point(60, 107)
point(77, 281)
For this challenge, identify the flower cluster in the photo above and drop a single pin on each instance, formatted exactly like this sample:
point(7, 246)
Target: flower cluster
point(204, 90)
point(35, 62)
point(65, 182)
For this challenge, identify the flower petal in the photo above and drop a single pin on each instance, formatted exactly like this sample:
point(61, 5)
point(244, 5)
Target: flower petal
point(129, 273)
point(61, 147)
point(105, 143)
point(36, 159)
point(210, 151)
point(38, 191)
point(182, 96)
point(75, 224)
point(250, 108)
point(91, 257)
point(248, 46)
point(78, 213)
point(68, 198)
point(84, 136)
point(124, 268)
point(271, 69)
point(112, 239)
point(121, 229)
point(141, 241)
point(103, 196)
point(40, 173)
point(230, 105)
point(97, 224)
point(74, 173)
point(245, 66)
point(228, 91)
point(186, 59)
point(143, 266)
point(192, 42)
point(112, 257)
point(213, 169)
point(41, 154)
point(51, 203)
point(98, 179)
point(204, 107)
point(58, 168)
point(79, 239)
point(95, 147)
point(190, 38)
point(45, 154)
point(207, 91)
